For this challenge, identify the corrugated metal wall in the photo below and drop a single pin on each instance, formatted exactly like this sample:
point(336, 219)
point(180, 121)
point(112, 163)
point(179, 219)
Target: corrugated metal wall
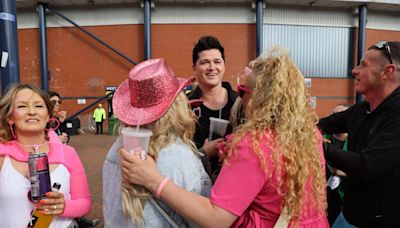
point(85, 17)
point(317, 50)
point(383, 20)
point(309, 16)
point(319, 39)
point(212, 14)
point(203, 14)
point(162, 14)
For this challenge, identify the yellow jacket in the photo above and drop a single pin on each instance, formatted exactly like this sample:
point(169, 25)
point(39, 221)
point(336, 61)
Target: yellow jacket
point(99, 114)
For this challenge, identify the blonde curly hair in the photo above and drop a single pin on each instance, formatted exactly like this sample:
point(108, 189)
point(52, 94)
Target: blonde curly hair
point(279, 109)
point(178, 122)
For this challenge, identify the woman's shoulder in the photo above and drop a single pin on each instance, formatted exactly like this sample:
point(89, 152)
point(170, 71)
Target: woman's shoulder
point(176, 150)
point(247, 142)
point(177, 156)
point(113, 152)
point(11, 149)
point(179, 163)
point(6, 146)
point(3, 153)
point(62, 153)
point(62, 148)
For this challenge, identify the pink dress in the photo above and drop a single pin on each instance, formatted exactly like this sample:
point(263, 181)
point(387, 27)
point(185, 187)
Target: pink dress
point(243, 189)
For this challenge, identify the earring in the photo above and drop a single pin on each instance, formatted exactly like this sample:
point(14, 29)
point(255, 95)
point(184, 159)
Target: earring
point(54, 120)
point(11, 124)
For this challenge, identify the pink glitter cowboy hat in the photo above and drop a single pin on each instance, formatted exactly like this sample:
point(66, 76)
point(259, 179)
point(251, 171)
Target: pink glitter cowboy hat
point(147, 94)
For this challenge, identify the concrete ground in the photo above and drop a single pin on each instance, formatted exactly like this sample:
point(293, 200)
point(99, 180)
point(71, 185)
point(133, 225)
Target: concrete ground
point(92, 150)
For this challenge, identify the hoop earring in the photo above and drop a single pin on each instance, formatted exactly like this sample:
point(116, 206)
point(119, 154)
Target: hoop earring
point(57, 124)
point(12, 130)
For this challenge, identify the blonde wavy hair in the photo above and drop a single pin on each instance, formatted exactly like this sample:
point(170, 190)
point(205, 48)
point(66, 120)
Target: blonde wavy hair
point(279, 108)
point(178, 122)
point(235, 116)
point(7, 106)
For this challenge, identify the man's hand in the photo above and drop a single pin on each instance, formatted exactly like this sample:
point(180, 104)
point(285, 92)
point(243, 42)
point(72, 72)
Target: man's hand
point(211, 147)
point(339, 173)
point(63, 137)
point(324, 140)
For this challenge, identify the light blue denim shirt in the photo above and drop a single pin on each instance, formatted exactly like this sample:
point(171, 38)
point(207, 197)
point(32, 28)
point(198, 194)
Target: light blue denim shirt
point(177, 162)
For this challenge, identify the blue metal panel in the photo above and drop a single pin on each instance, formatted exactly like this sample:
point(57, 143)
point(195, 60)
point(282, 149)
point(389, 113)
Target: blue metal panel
point(259, 27)
point(147, 29)
point(362, 22)
point(9, 70)
point(318, 51)
point(44, 66)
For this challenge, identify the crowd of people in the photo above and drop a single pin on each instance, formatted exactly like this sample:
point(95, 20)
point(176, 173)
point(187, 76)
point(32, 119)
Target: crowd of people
point(275, 165)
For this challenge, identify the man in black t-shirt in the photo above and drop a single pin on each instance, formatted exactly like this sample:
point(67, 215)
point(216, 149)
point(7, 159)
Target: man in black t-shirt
point(217, 97)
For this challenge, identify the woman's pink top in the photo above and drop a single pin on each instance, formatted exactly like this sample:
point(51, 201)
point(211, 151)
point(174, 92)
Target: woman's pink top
point(244, 189)
point(59, 153)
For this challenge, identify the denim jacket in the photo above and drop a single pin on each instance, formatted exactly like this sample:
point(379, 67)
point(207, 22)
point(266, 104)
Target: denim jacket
point(177, 162)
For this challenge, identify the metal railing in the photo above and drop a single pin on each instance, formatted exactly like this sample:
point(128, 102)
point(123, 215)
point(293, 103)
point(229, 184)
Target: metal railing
point(43, 40)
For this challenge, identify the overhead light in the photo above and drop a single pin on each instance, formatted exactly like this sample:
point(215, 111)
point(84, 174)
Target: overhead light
point(354, 11)
point(152, 4)
point(254, 5)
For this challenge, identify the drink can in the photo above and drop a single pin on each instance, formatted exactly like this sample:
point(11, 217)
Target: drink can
point(39, 174)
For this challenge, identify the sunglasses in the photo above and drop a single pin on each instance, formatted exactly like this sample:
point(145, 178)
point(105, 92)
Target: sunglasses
point(54, 102)
point(383, 45)
point(242, 90)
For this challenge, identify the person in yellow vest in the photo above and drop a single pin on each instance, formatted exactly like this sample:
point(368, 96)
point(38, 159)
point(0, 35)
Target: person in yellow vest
point(99, 116)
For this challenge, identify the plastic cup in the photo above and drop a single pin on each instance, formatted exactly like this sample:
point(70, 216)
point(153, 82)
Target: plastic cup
point(217, 128)
point(134, 139)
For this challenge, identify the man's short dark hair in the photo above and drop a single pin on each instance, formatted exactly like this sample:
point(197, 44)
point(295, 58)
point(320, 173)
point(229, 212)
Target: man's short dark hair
point(206, 43)
point(52, 94)
point(394, 50)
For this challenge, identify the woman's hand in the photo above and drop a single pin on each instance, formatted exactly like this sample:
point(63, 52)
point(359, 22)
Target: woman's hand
point(211, 147)
point(138, 171)
point(53, 205)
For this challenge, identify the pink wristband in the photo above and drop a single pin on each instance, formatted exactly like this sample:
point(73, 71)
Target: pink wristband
point(161, 186)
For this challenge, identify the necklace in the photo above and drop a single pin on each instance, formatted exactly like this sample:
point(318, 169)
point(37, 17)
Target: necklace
point(35, 146)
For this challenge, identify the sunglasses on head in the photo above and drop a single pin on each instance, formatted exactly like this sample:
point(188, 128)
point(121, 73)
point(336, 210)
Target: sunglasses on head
point(56, 102)
point(243, 90)
point(384, 45)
